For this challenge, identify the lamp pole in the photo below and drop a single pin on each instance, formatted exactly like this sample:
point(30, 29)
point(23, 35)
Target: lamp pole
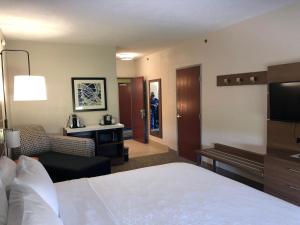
point(2, 68)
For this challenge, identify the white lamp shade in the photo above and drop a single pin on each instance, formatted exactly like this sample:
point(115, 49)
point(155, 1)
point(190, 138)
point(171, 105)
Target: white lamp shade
point(12, 138)
point(29, 88)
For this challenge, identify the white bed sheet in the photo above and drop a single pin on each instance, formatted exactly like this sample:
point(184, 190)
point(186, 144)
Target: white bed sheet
point(170, 194)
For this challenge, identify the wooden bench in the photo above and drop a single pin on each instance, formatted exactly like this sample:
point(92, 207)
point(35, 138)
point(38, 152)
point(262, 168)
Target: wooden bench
point(249, 161)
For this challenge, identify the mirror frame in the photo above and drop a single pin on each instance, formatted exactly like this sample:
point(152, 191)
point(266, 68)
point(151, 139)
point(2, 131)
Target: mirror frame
point(153, 133)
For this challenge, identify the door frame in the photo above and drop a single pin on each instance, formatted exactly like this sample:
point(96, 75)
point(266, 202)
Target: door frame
point(200, 93)
point(160, 135)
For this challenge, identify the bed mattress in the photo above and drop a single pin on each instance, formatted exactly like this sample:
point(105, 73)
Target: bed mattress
point(170, 194)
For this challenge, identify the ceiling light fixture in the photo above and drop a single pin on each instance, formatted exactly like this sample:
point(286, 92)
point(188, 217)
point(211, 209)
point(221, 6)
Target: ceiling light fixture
point(127, 55)
point(18, 27)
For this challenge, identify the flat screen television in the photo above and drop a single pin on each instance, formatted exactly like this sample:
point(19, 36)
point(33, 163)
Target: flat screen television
point(285, 101)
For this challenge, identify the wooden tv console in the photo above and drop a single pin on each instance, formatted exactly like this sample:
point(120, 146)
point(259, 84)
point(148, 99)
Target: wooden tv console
point(282, 176)
point(282, 172)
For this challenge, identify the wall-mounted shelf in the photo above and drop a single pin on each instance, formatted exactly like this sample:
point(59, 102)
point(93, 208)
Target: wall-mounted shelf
point(252, 78)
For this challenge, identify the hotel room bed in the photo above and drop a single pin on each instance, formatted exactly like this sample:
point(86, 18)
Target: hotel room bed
point(170, 194)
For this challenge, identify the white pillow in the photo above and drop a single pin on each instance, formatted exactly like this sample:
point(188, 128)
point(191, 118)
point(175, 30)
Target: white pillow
point(7, 171)
point(31, 172)
point(26, 207)
point(3, 205)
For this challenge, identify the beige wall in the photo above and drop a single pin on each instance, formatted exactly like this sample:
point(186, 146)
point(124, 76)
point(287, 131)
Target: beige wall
point(58, 63)
point(231, 115)
point(126, 68)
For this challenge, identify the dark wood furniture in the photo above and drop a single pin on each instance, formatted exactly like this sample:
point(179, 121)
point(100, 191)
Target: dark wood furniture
point(282, 177)
point(282, 172)
point(108, 140)
point(245, 160)
point(252, 78)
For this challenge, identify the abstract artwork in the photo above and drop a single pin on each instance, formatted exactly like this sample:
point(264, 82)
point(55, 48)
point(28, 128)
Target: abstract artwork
point(89, 94)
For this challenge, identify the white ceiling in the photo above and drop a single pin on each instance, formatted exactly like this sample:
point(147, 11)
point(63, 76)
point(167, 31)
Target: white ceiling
point(135, 25)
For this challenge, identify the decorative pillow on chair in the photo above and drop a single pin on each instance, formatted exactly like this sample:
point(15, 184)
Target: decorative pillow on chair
point(7, 171)
point(26, 207)
point(30, 172)
point(3, 205)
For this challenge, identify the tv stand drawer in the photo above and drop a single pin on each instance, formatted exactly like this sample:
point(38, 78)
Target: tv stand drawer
point(282, 178)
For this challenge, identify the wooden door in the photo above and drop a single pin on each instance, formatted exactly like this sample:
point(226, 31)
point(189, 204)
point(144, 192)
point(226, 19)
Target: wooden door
point(125, 104)
point(139, 120)
point(188, 111)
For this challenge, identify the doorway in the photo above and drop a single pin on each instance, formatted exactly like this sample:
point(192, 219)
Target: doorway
point(188, 111)
point(132, 107)
point(125, 106)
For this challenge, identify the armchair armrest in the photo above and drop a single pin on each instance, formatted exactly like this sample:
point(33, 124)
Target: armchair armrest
point(72, 145)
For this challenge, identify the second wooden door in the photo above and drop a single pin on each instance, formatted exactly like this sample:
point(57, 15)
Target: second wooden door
point(139, 119)
point(188, 111)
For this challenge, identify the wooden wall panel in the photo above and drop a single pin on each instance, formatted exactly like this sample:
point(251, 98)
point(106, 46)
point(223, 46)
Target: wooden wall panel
point(284, 73)
point(252, 78)
point(282, 136)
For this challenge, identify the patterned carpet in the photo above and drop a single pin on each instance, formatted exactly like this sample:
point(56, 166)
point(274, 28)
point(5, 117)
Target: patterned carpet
point(151, 160)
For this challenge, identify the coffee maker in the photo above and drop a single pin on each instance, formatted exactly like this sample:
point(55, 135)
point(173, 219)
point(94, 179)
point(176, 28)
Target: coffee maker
point(75, 122)
point(107, 119)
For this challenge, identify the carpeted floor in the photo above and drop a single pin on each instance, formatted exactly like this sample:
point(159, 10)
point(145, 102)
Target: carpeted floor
point(151, 160)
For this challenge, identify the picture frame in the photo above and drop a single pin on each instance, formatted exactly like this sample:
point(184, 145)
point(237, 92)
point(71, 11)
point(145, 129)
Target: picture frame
point(89, 94)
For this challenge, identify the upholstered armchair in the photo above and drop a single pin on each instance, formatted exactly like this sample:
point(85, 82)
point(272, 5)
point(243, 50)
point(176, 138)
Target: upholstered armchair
point(35, 141)
point(63, 157)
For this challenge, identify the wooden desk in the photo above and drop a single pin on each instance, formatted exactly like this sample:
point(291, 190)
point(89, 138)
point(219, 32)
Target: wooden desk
point(108, 139)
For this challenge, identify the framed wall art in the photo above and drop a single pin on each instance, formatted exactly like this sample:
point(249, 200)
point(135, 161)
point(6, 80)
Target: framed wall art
point(89, 94)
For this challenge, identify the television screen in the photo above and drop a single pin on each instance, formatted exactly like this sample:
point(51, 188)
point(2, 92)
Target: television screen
point(285, 101)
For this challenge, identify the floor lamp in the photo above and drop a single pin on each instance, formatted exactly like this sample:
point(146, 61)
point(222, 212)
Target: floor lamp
point(26, 88)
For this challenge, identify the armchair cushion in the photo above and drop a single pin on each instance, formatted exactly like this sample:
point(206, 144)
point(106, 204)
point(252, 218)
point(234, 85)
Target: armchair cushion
point(34, 140)
point(72, 145)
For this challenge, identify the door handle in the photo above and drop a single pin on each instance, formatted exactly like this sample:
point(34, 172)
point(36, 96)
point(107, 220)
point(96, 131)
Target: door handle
point(143, 113)
point(179, 116)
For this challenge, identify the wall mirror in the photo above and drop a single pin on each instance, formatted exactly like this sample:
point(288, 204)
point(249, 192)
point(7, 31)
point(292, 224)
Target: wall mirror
point(155, 106)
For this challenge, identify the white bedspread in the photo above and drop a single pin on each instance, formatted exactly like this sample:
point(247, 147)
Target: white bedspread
point(171, 194)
